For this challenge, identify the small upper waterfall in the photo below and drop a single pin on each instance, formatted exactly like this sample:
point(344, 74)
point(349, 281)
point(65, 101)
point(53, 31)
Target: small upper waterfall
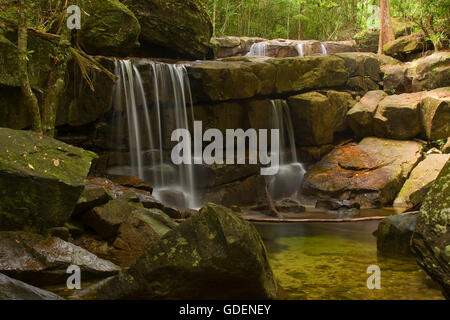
point(150, 101)
point(258, 49)
point(288, 48)
point(324, 49)
point(290, 175)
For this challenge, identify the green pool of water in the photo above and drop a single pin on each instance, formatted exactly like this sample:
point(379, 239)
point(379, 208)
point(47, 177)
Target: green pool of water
point(330, 261)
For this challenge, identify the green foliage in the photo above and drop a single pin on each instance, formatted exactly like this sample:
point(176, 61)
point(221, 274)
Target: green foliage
point(321, 19)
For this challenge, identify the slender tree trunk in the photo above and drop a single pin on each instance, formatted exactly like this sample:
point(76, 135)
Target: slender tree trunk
point(56, 80)
point(386, 31)
point(30, 100)
point(214, 17)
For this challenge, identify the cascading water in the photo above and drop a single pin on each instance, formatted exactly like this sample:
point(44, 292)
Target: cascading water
point(300, 47)
point(258, 49)
point(290, 175)
point(151, 110)
point(324, 49)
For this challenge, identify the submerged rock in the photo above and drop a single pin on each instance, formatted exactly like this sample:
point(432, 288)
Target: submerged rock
point(41, 180)
point(44, 261)
point(420, 180)
point(213, 255)
point(431, 237)
point(11, 289)
point(370, 173)
point(394, 235)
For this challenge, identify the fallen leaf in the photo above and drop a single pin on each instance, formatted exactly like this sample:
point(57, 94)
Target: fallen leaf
point(55, 162)
point(30, 166)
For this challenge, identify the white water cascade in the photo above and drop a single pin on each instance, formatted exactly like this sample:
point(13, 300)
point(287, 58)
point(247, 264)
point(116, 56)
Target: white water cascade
point(287, 182)
point(258, 49)
point(151, 110)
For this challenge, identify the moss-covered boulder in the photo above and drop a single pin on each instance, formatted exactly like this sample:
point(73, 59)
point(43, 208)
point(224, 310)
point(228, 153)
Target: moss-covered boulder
point(431, 238)
point(403, 48)
point(394, 235)
point(41, 180)
point(370, 173)
point(420, 180)
point(431, 72)
point(316, 116)
point(213, 255)
point(175, 28)
point(108, 28)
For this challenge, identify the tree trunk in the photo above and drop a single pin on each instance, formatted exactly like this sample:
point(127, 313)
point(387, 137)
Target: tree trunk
point(56, 82)
point(214, 17)
point(29, 98)
point(386, 31)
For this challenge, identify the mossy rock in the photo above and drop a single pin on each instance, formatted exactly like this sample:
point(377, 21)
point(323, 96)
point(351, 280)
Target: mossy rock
point(213, 255)
point(394, 234)
point(431, 238)
point(180, 29)
point(108, 28)
point(41, 180)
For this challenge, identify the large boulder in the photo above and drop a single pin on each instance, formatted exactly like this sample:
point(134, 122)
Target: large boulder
point(394, 235)
point(420, 180)
point(41, 180)
point(11, 289)
point(108, 28)
point(172, 27)
point(371, 173)
point(426, 73)
point(213, 255)
point(405, 47)
point(435, 114)
point(317, 116)
point(432, 72)
point(364, 70)
point(397, 117)
point(360, 116)
point(431, 238)
point(246, 77)
point(44, 261)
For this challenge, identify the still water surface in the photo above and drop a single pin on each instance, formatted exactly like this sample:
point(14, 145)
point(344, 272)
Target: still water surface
point(330, 260)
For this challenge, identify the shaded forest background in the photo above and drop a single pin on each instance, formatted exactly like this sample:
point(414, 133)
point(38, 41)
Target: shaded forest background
point(321, 19)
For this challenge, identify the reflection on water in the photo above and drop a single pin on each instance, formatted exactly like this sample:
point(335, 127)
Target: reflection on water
point(329, 261)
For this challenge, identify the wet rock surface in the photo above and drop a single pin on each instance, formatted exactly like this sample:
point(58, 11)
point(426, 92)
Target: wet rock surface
point(11, 289)
point(44, 261)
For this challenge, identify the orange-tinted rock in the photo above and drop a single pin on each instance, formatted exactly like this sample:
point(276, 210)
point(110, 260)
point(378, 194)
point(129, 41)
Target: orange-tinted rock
point(370, 173)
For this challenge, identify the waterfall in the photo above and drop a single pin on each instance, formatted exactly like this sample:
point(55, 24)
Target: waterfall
point(258, 49)
point(290, 175)
point(300, 47)
point(324, 49)
point(151, 110)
